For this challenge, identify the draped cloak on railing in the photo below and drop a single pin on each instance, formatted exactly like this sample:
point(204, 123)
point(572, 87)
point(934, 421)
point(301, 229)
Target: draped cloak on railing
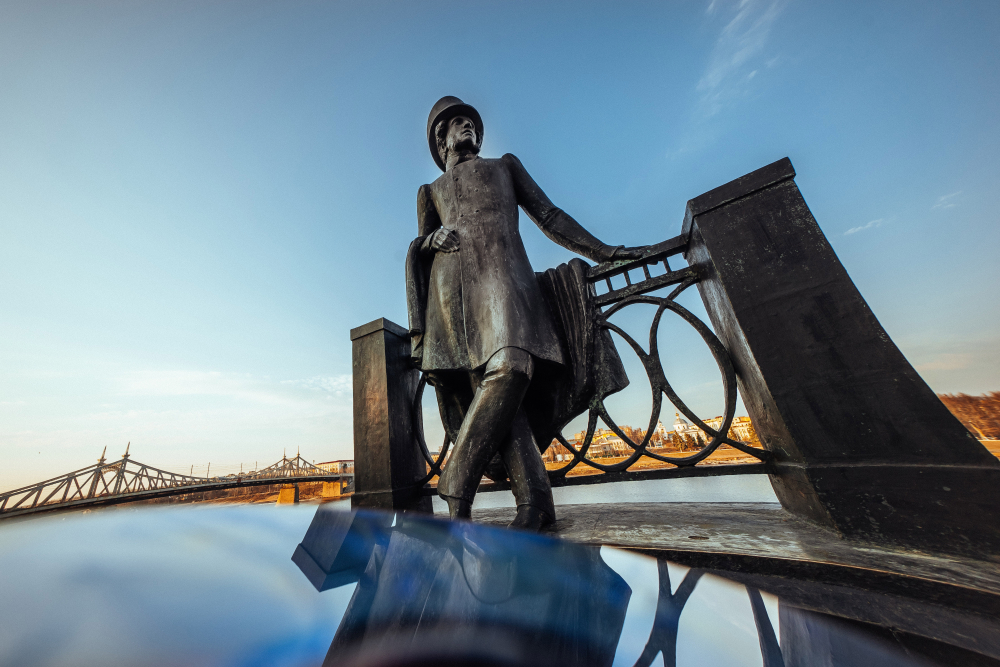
point(594, 370)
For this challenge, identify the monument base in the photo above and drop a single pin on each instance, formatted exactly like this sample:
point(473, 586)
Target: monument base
point(861, 444)
point(907, 505)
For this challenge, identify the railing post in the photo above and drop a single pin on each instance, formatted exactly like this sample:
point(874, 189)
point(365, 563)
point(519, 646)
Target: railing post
point(387, 462)
point(861, 443)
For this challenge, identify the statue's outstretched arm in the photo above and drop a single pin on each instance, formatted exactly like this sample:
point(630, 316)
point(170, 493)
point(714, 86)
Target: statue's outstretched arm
point(553, 221)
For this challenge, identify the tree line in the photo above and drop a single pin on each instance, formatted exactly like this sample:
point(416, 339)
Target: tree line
point(979, 414)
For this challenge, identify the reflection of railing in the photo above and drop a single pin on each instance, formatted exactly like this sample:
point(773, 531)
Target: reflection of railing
point(669, 605)
point(651, 278)
point(130, 480)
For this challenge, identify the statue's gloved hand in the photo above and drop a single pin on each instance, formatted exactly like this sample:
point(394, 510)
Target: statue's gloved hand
point(444, 240)
point(621, 252)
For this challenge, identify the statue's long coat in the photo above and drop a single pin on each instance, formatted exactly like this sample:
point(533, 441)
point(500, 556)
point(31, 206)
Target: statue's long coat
point(485, 296)
point(470, 303)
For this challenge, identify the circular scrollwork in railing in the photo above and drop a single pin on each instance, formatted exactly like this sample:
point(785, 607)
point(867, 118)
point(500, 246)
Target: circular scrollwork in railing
point(418, 421)
point(659, 385)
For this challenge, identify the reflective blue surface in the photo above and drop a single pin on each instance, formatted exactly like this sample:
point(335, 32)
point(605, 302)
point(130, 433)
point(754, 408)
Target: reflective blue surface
point(215, 585)
point(187, 585)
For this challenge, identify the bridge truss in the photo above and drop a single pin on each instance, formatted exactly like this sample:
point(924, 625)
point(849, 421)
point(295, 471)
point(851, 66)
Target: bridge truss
point(127, 480)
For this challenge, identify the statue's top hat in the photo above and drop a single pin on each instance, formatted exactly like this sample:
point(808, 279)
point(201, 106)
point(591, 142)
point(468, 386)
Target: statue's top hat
point(447, 108)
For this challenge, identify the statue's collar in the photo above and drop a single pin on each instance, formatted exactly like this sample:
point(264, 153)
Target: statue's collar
point(463, 158)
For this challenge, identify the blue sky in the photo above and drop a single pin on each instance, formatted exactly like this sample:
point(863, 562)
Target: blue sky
point(198, 200)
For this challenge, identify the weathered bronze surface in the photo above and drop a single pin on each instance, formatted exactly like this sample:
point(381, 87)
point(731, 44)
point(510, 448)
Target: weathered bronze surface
point(860, 442)
point(854, 439)
point(479, 323)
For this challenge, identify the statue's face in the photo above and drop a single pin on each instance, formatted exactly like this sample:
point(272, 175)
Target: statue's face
point(462, 135)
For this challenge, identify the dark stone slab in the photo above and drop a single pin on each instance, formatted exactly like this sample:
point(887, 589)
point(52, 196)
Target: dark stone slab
point(861, 442)
point(744, 186)
point(387, 464)
point(378, 325)
point(925, 598)
point(764, 539)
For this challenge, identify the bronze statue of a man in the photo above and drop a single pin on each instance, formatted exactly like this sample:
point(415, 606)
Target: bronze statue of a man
point(485, 328)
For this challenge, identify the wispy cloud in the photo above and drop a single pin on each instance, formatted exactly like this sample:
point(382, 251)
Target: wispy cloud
point(741, 40)
point(952, 360)
point(873, 223)
point(338, 385)
point(945, 201)
point(947, 362)
point(242, 386)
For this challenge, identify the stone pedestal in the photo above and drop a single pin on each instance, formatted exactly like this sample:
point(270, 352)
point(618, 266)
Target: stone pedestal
point(387, 459)
point(331, 489)
point(861, 443)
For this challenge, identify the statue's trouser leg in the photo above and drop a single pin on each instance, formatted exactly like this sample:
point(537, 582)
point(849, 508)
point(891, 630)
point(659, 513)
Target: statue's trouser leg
point(528, 479)
point(455, 391)
point(487, 422)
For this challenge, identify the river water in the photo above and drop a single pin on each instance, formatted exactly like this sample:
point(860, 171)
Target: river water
point(725, 489)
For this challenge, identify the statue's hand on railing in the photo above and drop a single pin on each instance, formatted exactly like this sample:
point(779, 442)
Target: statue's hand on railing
point(623, 253)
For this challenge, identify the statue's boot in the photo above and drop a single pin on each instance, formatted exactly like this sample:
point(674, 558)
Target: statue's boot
point(458, 508)
point(487, 423)
point(531, 518)
point(529, 480)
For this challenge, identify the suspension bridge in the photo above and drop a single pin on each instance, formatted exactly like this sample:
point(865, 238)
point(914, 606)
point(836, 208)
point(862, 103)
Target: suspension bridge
point(126, 480)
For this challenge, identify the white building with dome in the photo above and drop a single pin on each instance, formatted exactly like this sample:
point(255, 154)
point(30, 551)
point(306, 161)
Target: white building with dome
point(683, 426)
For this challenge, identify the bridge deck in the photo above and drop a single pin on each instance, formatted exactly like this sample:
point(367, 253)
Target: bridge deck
point(104, 501)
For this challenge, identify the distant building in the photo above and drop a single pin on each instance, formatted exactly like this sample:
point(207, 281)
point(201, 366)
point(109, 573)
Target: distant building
point(335, 467)
point(607, 444)
point(604, 444)
point(738, 430)
point(741, 429)
point(684, 427)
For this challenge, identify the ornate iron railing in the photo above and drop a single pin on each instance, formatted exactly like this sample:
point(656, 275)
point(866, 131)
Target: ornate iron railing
point(637, 290)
